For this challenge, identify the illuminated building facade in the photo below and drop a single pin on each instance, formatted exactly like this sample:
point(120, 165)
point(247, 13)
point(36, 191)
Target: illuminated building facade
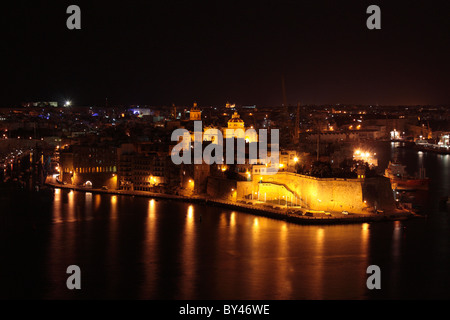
point(195, 114)
point(148, 171)
point(444, 140)
point(236, 122)
point(89, 165)
point(142, 167)
point(236, 128)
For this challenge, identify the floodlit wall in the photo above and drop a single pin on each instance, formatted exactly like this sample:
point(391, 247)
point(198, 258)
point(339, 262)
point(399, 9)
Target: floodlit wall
point(329, 194)
point(274, 192)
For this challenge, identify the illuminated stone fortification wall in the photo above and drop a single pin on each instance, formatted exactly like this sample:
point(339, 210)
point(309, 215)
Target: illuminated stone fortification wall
point(352, 195)
point(269, 191)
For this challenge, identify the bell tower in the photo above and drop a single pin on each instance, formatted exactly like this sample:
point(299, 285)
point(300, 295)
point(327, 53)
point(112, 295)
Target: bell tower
point(195, 114)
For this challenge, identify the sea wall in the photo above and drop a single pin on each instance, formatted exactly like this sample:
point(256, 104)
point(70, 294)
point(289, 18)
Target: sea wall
point(96, 180)
point(329, 194)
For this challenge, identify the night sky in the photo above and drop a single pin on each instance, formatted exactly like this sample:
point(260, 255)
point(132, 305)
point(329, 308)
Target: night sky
point(176, 52)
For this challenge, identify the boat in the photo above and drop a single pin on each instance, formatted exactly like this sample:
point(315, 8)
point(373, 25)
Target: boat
point(401, 180)
point(442, 147)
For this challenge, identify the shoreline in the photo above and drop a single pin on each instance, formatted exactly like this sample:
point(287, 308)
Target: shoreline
point(277, 214)
point(433, 148)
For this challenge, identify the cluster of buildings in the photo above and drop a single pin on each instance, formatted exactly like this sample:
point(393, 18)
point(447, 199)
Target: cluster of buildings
point(129, 148)
point(148, 166)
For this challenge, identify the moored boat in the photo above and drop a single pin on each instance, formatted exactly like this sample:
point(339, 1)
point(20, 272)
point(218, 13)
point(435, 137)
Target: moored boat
point(401, 180)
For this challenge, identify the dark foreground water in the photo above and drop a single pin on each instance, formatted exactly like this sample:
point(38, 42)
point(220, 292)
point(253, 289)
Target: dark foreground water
point(139, 248)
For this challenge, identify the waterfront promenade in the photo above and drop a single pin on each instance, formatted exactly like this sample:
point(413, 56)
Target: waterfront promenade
point(279, 212)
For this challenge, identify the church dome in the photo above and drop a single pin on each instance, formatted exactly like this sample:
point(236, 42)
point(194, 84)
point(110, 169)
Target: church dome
point(235, 118)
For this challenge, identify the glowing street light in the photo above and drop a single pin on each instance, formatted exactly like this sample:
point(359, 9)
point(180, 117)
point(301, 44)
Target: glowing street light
point(67, 103)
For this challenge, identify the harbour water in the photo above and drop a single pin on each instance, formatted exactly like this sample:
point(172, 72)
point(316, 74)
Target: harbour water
point(140, 248)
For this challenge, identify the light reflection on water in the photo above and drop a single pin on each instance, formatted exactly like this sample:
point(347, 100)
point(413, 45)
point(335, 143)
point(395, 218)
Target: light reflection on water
point(149, 249)
point(188, 259)
point(149, 253)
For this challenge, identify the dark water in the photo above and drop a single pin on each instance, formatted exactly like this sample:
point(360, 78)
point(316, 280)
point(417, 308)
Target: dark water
point(138, 248)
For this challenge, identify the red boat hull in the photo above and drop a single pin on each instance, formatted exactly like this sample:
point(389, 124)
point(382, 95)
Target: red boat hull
point(410, 184)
